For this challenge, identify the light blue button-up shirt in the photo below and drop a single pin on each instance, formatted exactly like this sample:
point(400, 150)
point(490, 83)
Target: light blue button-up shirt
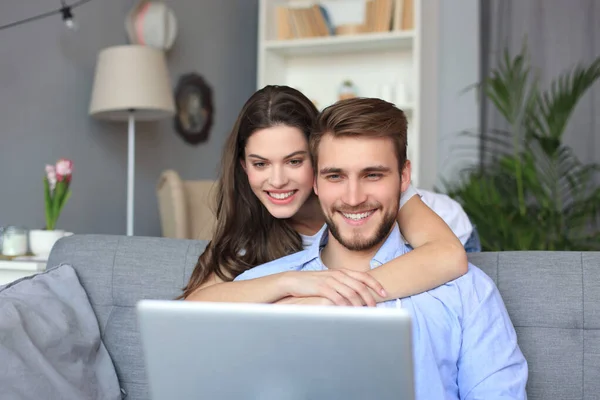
point(465, 346)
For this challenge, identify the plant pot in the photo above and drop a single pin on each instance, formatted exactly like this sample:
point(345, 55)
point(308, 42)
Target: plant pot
point(41, 241)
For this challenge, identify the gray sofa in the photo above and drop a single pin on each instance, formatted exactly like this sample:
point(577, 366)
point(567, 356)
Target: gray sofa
point(553, 299)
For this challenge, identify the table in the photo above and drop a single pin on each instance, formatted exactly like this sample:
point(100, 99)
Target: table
point(13, 269)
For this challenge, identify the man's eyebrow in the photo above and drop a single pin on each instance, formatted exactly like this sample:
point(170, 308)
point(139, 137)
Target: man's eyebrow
point(295, 153)
point(377, 168)
point(374, 168)
point(330, 170)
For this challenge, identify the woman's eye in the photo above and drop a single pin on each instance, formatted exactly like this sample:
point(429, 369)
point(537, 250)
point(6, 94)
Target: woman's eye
point(295, 162)
point(259, 164)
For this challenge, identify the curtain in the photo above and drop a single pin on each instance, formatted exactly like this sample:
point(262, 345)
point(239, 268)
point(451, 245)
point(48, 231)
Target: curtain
point(559, 35)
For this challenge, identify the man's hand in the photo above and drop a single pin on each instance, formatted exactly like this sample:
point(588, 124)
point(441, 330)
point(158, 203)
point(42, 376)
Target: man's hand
point(341, 287)
point(307, 301)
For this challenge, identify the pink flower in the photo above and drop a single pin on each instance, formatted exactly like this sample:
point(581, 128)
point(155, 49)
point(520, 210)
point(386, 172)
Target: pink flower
point(51, 175)
point(64, 169)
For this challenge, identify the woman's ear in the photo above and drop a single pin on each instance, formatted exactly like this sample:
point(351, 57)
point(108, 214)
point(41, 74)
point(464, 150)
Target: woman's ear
point(405, 175)
point(243, 163)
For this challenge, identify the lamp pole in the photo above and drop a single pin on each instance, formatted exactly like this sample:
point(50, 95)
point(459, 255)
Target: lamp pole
point(130, 170)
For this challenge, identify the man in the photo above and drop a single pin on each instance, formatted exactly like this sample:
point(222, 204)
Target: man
point(464, 343)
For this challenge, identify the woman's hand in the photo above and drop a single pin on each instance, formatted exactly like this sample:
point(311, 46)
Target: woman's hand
point(306, 301)
point(342, 287)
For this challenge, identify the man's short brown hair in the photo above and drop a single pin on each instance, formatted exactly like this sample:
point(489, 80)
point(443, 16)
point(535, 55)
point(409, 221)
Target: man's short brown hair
point(361, 117)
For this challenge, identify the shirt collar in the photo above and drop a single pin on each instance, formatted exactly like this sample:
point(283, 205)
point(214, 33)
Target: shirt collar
point(387, 252)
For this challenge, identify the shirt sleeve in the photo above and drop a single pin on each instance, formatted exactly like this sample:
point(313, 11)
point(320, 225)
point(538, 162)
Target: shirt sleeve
point(491, 364)
point(450, 211)
point(407, 195)
point(273, 267)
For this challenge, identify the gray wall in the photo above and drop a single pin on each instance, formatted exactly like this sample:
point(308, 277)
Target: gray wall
point(46, 76)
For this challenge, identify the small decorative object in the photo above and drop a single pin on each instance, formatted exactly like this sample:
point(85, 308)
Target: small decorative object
point(153, 24)
point(42, 241)
point(347, 90)
point(14, 241)
point(194, 108)
point(56, 190)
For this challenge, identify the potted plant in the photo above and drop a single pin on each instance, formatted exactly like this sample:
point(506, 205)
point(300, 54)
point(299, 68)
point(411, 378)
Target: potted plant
point(532, 193)
point(57, 182)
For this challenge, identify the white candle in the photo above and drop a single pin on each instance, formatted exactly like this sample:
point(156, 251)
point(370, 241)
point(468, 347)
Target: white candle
point(14, 243)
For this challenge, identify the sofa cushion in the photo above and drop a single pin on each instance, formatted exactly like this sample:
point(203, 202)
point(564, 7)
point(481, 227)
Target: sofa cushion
point(50, 343)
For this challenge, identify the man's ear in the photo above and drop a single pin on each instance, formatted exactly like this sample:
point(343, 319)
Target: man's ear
point(405, 176)
point(243, 162)
point(315, 185)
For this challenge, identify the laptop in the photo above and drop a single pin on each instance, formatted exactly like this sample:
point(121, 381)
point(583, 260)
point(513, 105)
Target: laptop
point(227, 351)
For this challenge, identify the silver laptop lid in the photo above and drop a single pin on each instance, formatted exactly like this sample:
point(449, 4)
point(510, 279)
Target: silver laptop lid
point(239, 351)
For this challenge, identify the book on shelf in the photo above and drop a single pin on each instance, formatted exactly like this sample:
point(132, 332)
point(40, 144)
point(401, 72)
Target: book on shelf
point(302, 22)
point(389, 15)
point(313, 21)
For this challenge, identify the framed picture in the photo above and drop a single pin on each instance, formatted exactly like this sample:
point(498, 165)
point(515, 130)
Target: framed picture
point(194, 108)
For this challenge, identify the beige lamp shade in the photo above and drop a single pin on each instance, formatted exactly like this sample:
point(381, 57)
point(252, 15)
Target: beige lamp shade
point(131, 77)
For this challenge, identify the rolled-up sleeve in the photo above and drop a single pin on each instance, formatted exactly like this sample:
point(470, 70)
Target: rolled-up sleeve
point(491, 364)
point(407, 195)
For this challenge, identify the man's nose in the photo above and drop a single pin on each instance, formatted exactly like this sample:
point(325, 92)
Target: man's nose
point(355, 195)
point(278, 178)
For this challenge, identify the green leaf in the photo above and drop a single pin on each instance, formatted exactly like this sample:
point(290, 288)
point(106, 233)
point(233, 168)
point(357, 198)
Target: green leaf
point(59, 193)
point(556, 105)
point(64, 200)
point(48, 205)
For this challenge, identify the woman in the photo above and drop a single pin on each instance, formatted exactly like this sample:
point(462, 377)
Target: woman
point(266, 209)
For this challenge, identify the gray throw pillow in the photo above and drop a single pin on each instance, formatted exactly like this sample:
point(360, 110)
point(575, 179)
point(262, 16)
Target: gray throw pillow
point(50, 344)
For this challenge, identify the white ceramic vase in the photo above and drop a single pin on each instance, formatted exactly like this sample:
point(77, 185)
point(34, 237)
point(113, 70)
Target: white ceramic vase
point(41, 241)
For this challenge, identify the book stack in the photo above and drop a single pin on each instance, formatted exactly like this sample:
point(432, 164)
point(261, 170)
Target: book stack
point(389, 15)
point(313, 21)
point(302, 22)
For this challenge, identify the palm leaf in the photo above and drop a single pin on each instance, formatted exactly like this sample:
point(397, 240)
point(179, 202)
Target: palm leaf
point(556, 105)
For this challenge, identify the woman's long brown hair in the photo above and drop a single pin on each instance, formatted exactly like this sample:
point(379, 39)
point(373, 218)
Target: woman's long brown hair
point(246, 234)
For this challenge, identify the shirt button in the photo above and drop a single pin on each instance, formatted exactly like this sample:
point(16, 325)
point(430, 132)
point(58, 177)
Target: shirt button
point(375, 264)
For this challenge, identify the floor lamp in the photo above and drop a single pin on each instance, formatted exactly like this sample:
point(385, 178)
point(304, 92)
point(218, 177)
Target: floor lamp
point(131, 83)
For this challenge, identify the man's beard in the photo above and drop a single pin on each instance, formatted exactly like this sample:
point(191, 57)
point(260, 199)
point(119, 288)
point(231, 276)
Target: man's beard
point(358, 243)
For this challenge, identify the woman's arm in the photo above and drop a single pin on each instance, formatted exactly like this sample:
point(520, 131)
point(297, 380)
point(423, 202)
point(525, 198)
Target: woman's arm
point(438, 256)
point(337, 287)
point(267, 289)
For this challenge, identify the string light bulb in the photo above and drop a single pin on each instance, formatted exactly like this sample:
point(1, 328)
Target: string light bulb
point(65, 10)
point(67, 16)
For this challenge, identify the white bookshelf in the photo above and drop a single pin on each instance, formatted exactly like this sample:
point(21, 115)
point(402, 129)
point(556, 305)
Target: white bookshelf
point(362, 43)
point(380, 64)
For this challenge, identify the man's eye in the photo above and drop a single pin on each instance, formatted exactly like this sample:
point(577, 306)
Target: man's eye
point(374, 176)
point(333, 177)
